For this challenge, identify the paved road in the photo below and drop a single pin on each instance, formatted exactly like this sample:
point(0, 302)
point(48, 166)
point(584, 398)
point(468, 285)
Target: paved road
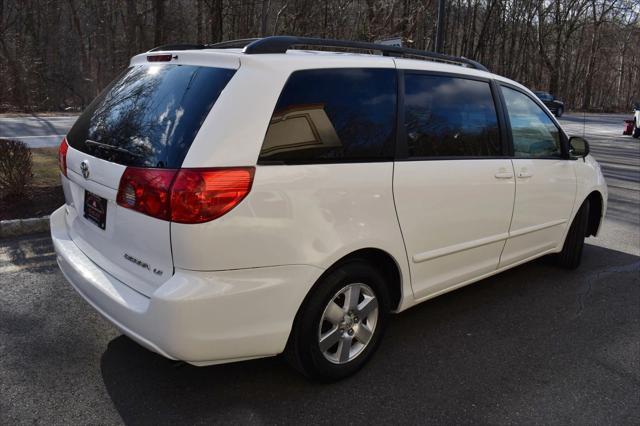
point(620, 159)
point(36, 131)
point(534, 345)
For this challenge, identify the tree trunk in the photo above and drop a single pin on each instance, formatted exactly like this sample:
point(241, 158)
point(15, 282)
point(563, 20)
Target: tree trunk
point(158, 35)
point(216, 20)
point(264, 17)
point(132, 26)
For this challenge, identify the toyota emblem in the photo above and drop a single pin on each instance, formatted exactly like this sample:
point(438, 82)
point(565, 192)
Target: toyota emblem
point(84, 168)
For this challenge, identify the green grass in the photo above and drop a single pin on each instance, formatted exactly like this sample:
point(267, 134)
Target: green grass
point(45, 167)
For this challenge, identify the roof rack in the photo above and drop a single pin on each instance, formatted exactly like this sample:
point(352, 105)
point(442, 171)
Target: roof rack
point(233, 44)
point(280, 44)
point(229, 44)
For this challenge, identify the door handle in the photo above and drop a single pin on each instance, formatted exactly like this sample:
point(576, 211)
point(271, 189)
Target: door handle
point(524, 175)
point(504, 175)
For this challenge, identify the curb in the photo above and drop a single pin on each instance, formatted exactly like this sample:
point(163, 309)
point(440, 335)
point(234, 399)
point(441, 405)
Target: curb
point(18, 227)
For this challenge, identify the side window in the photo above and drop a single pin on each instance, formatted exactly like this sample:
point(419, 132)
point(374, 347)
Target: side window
point(534, 134)
point(450, 117)
point(334, 115)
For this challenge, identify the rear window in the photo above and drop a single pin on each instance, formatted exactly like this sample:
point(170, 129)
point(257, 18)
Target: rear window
point(333, 115)
point(149, 116)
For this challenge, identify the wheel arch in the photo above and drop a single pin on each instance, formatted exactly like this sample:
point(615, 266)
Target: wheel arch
point(386, 265)
point(596, 210)
point(380, 259)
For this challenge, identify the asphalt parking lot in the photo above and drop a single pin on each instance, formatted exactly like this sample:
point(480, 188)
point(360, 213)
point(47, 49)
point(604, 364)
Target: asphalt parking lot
point(534, 345)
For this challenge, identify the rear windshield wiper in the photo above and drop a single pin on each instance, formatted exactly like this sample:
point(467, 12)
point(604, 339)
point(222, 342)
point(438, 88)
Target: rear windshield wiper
point(111, 148)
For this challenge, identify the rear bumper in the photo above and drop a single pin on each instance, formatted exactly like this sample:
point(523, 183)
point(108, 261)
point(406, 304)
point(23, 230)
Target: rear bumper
point(198, 317)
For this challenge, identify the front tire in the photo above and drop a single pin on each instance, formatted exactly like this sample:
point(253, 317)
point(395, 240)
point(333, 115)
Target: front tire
point(571, 253)
point(559, 112)
point(636, 130)
point(341, 322)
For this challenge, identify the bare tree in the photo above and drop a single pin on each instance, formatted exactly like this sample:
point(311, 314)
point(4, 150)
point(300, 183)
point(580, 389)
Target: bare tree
point(57, 54)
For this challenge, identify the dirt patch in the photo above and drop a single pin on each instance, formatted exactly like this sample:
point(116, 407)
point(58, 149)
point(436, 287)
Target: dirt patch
point(39, 201)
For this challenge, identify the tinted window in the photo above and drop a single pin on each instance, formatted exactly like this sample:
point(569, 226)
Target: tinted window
point(149, 116)
point(450, 117)
point(534, 134)
point(333, 115)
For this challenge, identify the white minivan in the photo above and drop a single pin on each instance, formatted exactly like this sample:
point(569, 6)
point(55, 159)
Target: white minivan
point(240, 200)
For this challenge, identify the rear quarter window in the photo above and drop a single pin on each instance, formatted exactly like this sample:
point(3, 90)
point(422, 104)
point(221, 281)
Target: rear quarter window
point(333, 115)
point(149, 116)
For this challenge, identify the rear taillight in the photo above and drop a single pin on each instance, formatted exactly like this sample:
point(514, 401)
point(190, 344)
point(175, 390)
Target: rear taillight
point(185, 195)
point(146, 191)
point(62, 156)
point(201, 195)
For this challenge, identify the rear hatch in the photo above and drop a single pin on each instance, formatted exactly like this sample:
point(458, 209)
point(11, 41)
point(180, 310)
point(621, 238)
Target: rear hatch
point(147, 118)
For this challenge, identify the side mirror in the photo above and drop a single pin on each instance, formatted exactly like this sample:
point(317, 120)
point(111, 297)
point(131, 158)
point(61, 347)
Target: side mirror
point(578, 147)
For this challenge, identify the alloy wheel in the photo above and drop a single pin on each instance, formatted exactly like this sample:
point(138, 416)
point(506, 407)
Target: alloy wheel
point(348, 323)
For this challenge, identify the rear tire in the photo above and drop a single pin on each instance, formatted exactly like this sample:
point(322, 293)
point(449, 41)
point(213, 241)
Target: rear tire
point(333, 338)
point(636, 130)
point(559, 112)
point(571, 253)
